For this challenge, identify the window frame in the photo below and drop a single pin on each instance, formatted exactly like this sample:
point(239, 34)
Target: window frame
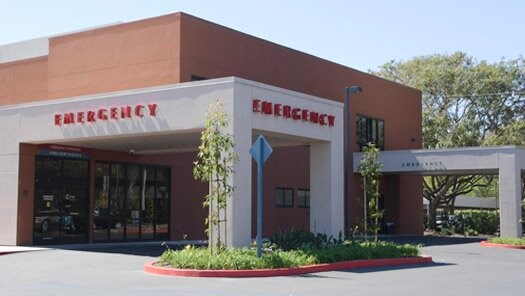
point(284, 205)
point(368, 134)
point(299, 205)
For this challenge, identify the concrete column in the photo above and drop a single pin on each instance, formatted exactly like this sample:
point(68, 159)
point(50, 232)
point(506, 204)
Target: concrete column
point(326, 188)
point(509, 196)
point(239, 208)
point(9, 163)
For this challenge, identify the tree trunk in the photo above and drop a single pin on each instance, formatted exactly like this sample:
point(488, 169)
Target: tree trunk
point(432, 209)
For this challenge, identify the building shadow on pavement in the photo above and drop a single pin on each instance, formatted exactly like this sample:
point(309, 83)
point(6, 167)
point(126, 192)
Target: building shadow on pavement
point(149, 249)
point(334, 274)
point(430, 240)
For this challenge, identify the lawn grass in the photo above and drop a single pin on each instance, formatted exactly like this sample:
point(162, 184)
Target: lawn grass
point(246, 259)
point(508, 241)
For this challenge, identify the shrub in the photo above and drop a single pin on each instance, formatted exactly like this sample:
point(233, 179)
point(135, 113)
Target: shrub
point(235, 259)
point(447, 231)
point(480, 221)
point(508, 241)
point(302, 239)
point(470, 232)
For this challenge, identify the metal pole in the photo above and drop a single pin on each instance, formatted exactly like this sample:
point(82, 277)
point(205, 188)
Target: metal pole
point(346, 131)
point(365, 211)
point(347, 153)
point(259, 205)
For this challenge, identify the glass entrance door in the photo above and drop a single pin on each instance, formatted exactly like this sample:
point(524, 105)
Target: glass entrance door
point(131, 202)
point(61, 190)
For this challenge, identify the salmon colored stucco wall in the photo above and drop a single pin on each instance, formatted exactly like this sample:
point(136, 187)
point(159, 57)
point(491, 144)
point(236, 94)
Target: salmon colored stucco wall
point(209, 50)
point(287, 167)
point(120, 57)
point(23, 81)
point(26, 194)
point(187, 214)
point(131, 55)
point(171, 48)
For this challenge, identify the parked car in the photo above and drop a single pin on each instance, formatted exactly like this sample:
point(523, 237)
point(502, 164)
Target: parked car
point(446, 221)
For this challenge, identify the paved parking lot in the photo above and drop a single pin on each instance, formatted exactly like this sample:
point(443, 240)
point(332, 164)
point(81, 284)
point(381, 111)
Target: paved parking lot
point(461, 267)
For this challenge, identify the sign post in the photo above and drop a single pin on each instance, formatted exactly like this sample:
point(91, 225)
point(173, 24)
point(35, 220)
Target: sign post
point(260, 152)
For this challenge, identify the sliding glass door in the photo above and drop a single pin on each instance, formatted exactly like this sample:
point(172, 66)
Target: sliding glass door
point(131, 202)
point(60, 209)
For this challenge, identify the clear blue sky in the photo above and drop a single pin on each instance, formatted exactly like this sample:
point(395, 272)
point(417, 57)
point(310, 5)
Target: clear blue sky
point(359, 34)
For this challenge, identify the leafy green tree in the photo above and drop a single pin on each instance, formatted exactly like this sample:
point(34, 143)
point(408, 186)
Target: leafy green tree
point(465, 103)
point(215, 164)
point(370, 170)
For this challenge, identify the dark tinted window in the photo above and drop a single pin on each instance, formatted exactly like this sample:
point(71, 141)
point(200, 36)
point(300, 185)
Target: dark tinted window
point(284, 197)
point(370, 130)
point(303, 198)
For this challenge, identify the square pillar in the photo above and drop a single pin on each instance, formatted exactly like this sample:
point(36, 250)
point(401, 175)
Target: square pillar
point(9, 176)
point(326, 188)
point(239, 207)
point(509, 196)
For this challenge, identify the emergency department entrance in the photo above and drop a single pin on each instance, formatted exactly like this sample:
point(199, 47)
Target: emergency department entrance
point(131, 202)
point(508, 162)
point(61, 196)
point(140, 142)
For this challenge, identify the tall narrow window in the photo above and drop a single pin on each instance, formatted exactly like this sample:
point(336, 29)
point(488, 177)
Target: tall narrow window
point(101, 209)
point(370, 130)
point(303, 198)
point(116, 202)
point(131, 202)
point(284, 197)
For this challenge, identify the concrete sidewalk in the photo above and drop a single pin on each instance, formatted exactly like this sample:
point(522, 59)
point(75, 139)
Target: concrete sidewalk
point(16, 249)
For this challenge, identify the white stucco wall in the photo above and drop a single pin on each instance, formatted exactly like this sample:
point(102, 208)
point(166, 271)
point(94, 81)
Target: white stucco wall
point(507, 161)
point(182, 107)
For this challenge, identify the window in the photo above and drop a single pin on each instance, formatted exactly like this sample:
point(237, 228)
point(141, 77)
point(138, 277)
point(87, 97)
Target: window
point(303, 198)
point(370, 130)
point(197, 78)
point(284, 197)
point(131, 202)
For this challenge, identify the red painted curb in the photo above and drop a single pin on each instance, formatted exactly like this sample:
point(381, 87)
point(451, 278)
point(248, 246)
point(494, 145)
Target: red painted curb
point(492, 245)
point(151, 268)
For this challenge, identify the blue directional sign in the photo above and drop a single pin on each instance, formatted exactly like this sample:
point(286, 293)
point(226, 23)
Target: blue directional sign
point(260, 151)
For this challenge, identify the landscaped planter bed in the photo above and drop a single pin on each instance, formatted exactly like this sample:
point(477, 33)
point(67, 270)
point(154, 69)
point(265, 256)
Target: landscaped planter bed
point(497, 245)
point(231, 262)
point(151, 267)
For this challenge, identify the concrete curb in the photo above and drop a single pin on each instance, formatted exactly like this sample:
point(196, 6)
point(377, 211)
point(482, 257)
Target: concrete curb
point(492, 245)
point(150, 267)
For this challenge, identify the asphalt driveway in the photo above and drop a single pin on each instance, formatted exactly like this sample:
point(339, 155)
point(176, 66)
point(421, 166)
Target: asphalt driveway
point(462, 267)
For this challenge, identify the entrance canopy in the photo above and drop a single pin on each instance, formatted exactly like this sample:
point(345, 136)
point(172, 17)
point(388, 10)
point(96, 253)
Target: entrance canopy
point(169, 118)
point(506, 161)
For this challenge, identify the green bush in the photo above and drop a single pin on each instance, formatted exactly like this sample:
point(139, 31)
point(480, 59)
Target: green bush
point(508, 241)
point(447, 231)
point(302, 239)
point(470, 232)
point(479, 221)
point(237, 259)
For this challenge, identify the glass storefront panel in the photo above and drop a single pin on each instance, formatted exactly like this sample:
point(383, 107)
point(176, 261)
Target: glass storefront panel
point(116, 202)
point(148, 203)
point(60, 207)
point(76, 169)
point(101, 204)
point(133, 203)
point(73, 212)
point(100, 229)
point(138, 202)
point(163, 193)
point(161, 229)
point(47, 214)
